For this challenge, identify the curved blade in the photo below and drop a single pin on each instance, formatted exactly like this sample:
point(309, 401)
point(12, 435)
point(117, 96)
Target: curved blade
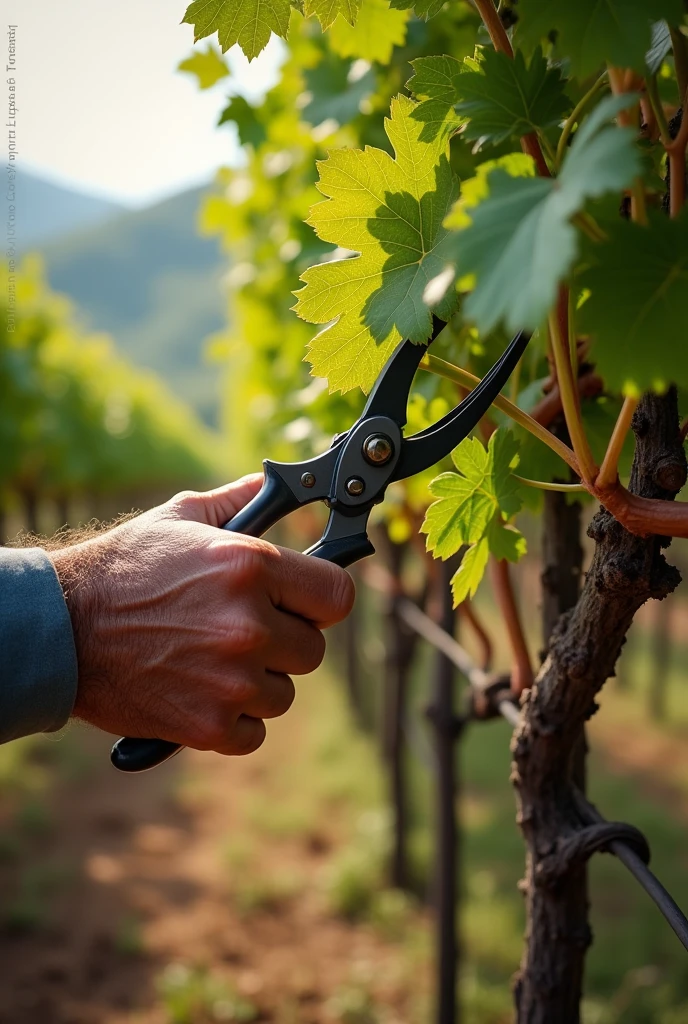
point(430, 445)
point(389, 397)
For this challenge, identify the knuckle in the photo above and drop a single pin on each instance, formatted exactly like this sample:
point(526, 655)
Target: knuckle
point(184, 498)
point(208, 734)
point(247, 634)
point(246, 564)
point(241, 693)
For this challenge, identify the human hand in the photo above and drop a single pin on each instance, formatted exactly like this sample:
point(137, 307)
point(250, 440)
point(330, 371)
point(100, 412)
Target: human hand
point(188, 633)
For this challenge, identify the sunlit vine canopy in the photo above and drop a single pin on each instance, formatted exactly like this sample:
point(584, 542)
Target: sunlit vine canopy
point(78, 418)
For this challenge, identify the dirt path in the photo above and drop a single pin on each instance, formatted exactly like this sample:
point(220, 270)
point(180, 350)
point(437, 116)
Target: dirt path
point(185, 879)
point(199, 892)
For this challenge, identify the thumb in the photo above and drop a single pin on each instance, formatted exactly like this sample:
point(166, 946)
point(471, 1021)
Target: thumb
point(217, 507)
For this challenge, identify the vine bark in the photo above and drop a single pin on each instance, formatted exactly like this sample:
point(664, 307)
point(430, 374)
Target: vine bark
point(626, 571)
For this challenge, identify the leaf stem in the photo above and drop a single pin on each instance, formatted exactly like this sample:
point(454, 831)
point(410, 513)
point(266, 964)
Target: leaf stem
point(570, 401)
point(589, 226)
point(468, 380)
point(609, 470)
point(658, 109)
point(493, 24)
point(467, 611)
point(547, 147)
point(571, 327)
point(574, 117)
point(530, 144)
point(638, 203)
point(522, 669)
point(516, 380)
point(548, 485)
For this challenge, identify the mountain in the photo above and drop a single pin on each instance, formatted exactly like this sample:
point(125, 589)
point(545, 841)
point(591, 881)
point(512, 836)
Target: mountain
point(46, 211)
point(149, 280)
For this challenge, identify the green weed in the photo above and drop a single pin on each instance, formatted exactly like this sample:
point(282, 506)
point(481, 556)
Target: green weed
point(263, 891)
point(356, 875)
point(353, 1004)
point(191, 995)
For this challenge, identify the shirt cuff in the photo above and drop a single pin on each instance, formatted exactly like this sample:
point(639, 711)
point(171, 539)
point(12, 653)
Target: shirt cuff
point(38, 664)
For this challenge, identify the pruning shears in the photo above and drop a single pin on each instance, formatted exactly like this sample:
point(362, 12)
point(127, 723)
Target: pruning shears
point(351, 477)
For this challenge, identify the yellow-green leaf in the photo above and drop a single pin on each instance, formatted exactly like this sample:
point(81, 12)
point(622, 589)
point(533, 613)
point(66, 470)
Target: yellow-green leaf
point(377, 31)
point(467, 577)
point(326, 11)
point(246, 22)
point(207, 65)
point(387, 212)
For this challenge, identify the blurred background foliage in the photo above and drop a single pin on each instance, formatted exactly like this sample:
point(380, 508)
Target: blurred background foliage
point(79, 422)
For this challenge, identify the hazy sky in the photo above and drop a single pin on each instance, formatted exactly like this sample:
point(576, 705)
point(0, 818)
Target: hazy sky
point(101, 107)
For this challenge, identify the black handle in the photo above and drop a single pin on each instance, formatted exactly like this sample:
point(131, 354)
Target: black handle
point(135, 755)
point(274, 501)
point(343, 552)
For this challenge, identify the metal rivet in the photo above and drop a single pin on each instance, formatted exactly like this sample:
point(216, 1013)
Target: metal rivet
point(378, 449)
point(307, 480)
point(355, 486)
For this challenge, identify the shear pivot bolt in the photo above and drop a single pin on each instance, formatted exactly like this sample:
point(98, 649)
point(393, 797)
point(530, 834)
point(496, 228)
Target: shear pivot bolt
point(378, 449)
point(355, 486)
point(307, 480)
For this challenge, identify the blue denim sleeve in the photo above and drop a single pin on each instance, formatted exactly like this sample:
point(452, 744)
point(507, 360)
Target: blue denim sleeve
point(38, 666)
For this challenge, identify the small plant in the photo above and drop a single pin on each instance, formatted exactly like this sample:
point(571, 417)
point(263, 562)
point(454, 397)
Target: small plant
point(356, 876)
point(266, 891)
point(390, 913)
point(353, 1004)
point(191, 995)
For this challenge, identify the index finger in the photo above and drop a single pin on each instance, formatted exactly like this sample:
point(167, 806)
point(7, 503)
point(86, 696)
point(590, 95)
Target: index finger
point(310, 587)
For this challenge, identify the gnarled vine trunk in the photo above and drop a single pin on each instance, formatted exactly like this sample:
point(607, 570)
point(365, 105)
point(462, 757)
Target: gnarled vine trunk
point(625, 571)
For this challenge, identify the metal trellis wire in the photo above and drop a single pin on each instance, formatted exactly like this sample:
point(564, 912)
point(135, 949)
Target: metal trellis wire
point(416, 619)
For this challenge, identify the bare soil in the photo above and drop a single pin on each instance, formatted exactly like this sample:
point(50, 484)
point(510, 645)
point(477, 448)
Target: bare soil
point(132, 874)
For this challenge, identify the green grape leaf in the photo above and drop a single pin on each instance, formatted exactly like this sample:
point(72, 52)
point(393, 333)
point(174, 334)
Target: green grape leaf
point(506, 98)
point(424, 9)
point(467, 577)
point(377, 31)
point(434, 83)
point(661, 46)
point(638, 307)
point(389, 211)
point(519, 241)
point(250, 128)
point(207, 65)
point(249, 23)
point(506, 542)
point(471, 507)
point(337, 88)
point(327, 10)
point(468, 501)
point(593, 32)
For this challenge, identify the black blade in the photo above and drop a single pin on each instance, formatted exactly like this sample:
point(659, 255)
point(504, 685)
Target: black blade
point(429, 446)
point(390, 394)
